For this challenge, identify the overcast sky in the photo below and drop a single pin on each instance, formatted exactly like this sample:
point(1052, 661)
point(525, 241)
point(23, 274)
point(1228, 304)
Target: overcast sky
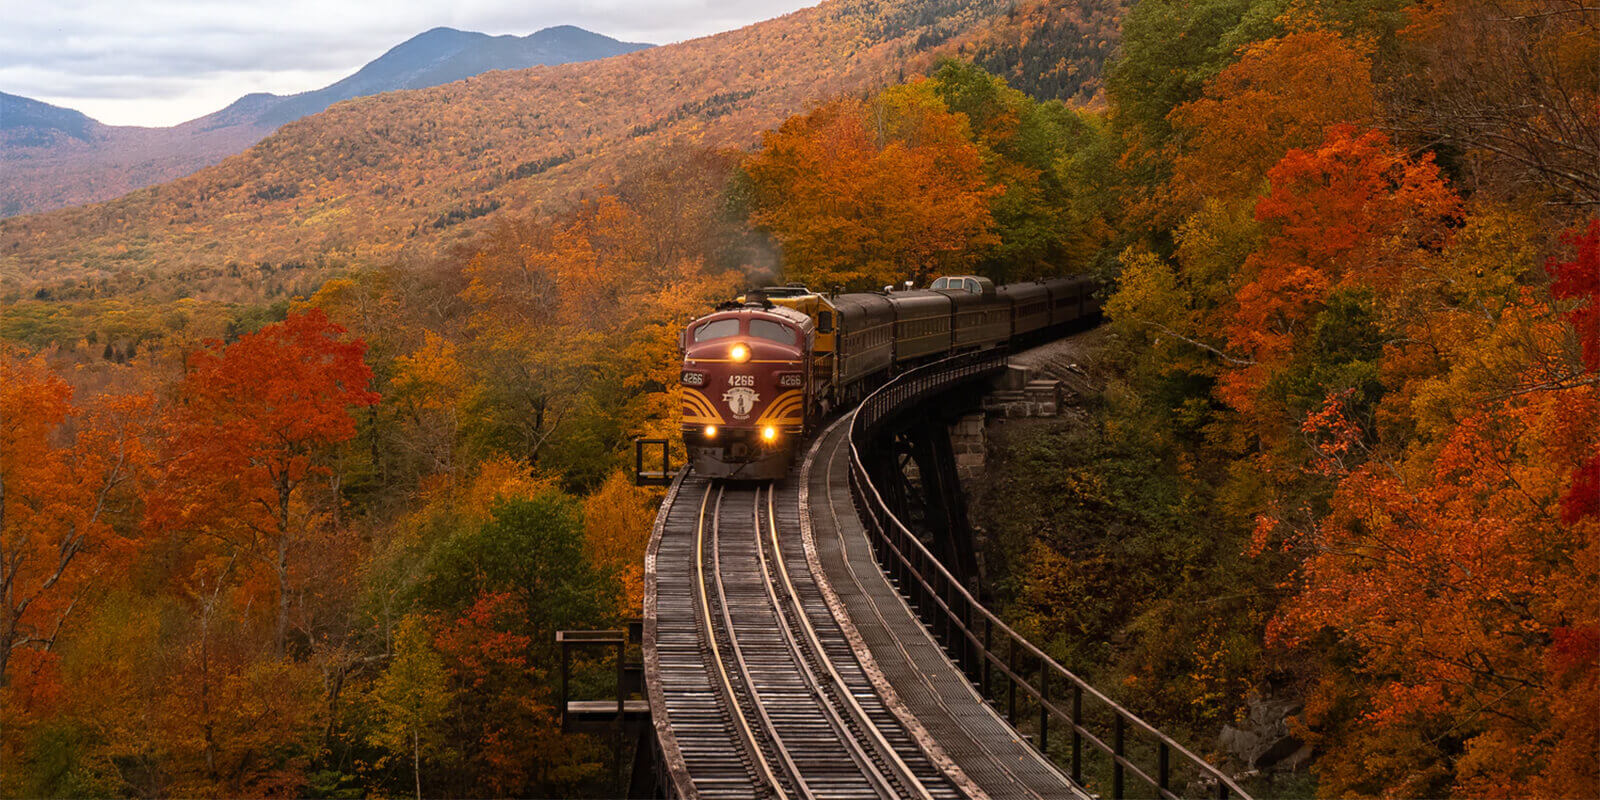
point(161, 62)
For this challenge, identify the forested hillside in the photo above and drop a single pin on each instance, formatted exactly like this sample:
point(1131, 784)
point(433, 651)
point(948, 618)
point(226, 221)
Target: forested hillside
point(415, 173)
point(52, 157)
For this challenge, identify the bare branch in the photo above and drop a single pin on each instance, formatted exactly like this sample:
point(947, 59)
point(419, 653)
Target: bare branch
point(1243, 362)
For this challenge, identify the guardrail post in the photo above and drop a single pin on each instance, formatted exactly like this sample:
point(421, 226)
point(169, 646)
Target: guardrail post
point(988, 671)
point(1116, 757)
point(964, 624)
point(1077, 736)
point(1044, 708)
point(1163, 769)
point(566, 667)
point(1011, 682)
point(902, 562)
point(622, 652)
point(946, 616)
point(969, 633)
point(924, 588)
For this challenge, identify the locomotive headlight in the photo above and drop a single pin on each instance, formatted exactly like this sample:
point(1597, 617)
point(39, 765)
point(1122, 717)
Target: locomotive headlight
point(769, 434)
point(791, 380)
point(711, 431)
point(739, 353)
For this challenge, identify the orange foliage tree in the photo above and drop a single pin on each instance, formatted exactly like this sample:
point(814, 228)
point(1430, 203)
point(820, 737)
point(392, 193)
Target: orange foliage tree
point(864, 194)
point(1353, 212)
point(257, 421)
point(64, 476)
point(503, 704)
point(617, 519)
point(1283, 93)
point(1462, 587)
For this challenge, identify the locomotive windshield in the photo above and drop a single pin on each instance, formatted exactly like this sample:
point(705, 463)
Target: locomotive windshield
point(716, 329)
point(772, 331)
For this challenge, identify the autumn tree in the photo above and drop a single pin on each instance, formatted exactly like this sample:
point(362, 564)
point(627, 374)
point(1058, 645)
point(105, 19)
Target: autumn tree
point(1458, 581)
point(532, 548)
point(256, 423)
point(503, 700)
point(573, 326)
point(868, 193)
point(1351, 213)
point(411, 698)
point(617, 520)
point(65, 479)
point(1282, 94)
point(1511, 85)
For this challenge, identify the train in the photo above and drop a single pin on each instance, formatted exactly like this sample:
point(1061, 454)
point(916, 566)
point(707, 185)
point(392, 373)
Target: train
point(761, 371)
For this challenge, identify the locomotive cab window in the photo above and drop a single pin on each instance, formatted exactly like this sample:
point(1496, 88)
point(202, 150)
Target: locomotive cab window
point(772, 331)
point(716, 329)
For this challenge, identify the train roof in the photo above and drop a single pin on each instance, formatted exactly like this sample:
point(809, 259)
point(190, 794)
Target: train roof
point(790, 290)
point(798, 319)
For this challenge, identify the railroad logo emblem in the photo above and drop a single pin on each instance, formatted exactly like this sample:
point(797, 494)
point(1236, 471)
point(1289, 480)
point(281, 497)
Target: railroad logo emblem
point(741, 400)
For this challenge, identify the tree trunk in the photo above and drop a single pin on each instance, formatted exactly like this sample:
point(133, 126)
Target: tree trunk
point(416, 760)
point(7, 633)
point(283, 595)
point(284, 490)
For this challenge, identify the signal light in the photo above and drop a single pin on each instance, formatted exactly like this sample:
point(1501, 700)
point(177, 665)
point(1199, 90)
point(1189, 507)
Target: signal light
point(711, 431)
point(769, 434)
point(739, 353)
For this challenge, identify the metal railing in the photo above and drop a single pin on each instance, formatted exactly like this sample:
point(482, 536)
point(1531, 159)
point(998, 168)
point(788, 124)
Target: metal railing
point(997, 658)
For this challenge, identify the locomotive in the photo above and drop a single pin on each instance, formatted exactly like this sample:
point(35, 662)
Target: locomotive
point(761, 371)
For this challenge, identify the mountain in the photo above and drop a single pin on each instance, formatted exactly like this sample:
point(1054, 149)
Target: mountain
point(52, 157)
point(411, 175)
point(30, 122)
point(439, 56)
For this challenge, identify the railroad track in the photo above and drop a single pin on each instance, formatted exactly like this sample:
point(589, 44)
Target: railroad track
point(750, 654)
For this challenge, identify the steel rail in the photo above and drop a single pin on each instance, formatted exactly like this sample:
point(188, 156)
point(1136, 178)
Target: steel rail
point(858, 753)
point(903, 774)
point(747, 736)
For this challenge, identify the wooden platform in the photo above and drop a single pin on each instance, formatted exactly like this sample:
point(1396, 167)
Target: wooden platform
point(606, 710)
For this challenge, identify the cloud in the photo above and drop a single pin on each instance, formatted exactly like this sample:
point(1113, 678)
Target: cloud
point(160, 62)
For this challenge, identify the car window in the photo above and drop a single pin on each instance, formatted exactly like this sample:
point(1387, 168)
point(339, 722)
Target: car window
point(942, 283)
point(771, 331)
point(972, 286)
point(716, 329)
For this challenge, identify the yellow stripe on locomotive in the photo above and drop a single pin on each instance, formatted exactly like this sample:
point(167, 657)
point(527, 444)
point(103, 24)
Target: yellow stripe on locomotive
point(788, 410)
point(698, 409)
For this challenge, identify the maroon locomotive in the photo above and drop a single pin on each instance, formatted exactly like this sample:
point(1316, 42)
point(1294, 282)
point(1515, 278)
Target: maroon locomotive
point(746, 389)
